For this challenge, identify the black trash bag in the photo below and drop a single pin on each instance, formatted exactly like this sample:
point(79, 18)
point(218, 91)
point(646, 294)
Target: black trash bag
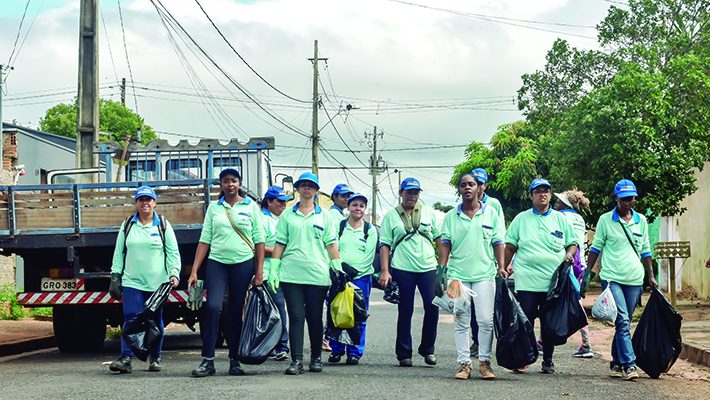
point(261, 329)
point(350, 271)
point(516, 345)
point(656, 340)
point(392, 293)
point(359, 306)
point(562, 315)
point(142, 332)
point(351, 335)
point(338, 280)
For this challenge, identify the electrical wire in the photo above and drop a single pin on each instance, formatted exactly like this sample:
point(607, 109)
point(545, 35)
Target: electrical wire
point(327, 114)
point(108, 44)
point(19, 30)
point(245, 61)
point(125, 49)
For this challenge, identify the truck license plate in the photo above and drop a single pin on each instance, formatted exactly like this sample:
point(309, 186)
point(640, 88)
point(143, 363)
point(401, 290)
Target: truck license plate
point(58, 285)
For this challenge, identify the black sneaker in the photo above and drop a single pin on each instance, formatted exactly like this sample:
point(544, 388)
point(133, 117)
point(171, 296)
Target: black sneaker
point(296, 368)
point(122, 365)
point(407, 362)
point(154, 365)
point(235, 368)
point(206, 368)
point(280, 356)
point(316, 365)
point(430, 359)
point(352, 360)
point(334, 358)
point(548, 367)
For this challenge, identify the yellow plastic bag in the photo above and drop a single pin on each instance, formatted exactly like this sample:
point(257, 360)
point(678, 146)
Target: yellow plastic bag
point(342, 309)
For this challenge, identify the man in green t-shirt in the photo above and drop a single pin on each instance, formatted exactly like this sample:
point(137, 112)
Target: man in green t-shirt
point(407, 233)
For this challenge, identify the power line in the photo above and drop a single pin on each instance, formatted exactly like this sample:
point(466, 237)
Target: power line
point(503, 20)
point(446, 146)
point(19, 30)
point(245, 61)
point(125, 49)
point(327, 114)
point(108, 43)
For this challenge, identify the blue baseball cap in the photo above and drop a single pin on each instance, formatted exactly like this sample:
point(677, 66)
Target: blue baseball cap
point(357, 196)
point(145, 191)
point(410, 184)
point(229, 171)
point(341, 188)
point(480, 175)
point(278, 193)
point(537, 182)
point(625, 188)
point(307, 177)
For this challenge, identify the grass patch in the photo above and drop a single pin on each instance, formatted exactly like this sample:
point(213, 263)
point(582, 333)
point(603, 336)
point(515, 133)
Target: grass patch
point(9, 309)
point(113, 333)
point(41, 312)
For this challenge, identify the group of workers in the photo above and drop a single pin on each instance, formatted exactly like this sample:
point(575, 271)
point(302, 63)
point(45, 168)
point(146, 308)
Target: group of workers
point(292, 250)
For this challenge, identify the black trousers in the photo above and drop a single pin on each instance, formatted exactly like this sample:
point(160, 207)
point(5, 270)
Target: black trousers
point(218, 277)
point(532, 304)
point(304, 303)
point(408, 282)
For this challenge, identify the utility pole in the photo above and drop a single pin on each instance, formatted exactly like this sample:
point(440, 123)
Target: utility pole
point(123, 91)
point(2, 136)
point(88, 115)
point(375, 169)
point(316, 102)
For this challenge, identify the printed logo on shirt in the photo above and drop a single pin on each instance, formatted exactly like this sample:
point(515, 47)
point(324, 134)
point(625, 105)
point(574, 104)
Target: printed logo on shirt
point(557, 234)
point(318, 232)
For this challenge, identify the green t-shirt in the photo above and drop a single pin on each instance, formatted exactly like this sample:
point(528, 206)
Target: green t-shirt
point(226, 246)
point(472, 241)
point(619, 262)
point(145, 260)
point(416, 253)
point(495, 204)
point(578, 226)
point(541, 240)
point(355, 250)
point(337, 213)
point(306, 237)
point(269, 222)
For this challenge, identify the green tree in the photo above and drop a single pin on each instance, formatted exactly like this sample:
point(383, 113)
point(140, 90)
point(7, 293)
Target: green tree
point(512, 161)
point(442, 207)
point(115, 121)
point(638, 109)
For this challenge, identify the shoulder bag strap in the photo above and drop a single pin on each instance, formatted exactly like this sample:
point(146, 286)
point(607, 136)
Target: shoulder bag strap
point(239, 232)
point(342, 228)
point(629, 239)
point(127, 224)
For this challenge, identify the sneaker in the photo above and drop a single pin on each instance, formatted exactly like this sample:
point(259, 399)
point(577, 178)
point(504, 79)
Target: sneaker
point(325, 346)
point(430, 359)
point(474, 350)
point(584, 352)
point(548, 367)
point(280, 356)
point(485, 370)
point(631, 373)
point(334, 358)
point(296, 368)
point(122, 365)
point(407, 362)
point(616, 372)
point(154, 365)
point(316, 365)
point(352, 360)
point(464, 371)
point(206, 368)
point(235, 368)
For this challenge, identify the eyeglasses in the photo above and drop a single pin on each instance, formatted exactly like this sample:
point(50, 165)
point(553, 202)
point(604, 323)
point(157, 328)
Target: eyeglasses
point(541, 190)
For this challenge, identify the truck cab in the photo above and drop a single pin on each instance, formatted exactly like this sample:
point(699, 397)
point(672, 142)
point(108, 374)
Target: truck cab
point(64, 232)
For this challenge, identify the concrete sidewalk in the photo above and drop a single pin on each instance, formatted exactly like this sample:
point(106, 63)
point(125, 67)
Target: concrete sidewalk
point(25, 335)
point(695, 329)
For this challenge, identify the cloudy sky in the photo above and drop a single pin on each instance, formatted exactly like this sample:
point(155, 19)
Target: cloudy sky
point(425, 77)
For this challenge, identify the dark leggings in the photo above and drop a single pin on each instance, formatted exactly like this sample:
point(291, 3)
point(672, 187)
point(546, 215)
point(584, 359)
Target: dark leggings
point(532, 304)
point(408, 283)
point(219, 277)
point(304, 303)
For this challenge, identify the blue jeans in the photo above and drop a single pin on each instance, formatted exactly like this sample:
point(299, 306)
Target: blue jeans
point(133, 303)
point(219, 277)
point(281, 305)
point(365, 284)
point(626, 297)
point(408, 283)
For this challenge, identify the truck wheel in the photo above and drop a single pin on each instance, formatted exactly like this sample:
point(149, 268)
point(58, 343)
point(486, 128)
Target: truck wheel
point(79, 329)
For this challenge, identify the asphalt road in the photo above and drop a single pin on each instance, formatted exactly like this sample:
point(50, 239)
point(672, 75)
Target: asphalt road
point(52, 375)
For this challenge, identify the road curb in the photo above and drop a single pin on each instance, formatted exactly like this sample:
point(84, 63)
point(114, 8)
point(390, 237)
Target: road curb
point(695, 354)
point(23, 346)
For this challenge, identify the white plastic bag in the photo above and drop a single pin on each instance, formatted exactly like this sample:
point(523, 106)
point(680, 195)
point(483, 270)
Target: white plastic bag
point(457, 298)
point(604, 307)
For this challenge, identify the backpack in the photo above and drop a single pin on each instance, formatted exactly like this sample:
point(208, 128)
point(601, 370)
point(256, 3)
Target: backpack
point(366, 229)
point(411, 227)
point(128, 224)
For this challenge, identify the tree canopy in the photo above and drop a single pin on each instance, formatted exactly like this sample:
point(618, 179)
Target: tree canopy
point(638, 109)
point(116, 121)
